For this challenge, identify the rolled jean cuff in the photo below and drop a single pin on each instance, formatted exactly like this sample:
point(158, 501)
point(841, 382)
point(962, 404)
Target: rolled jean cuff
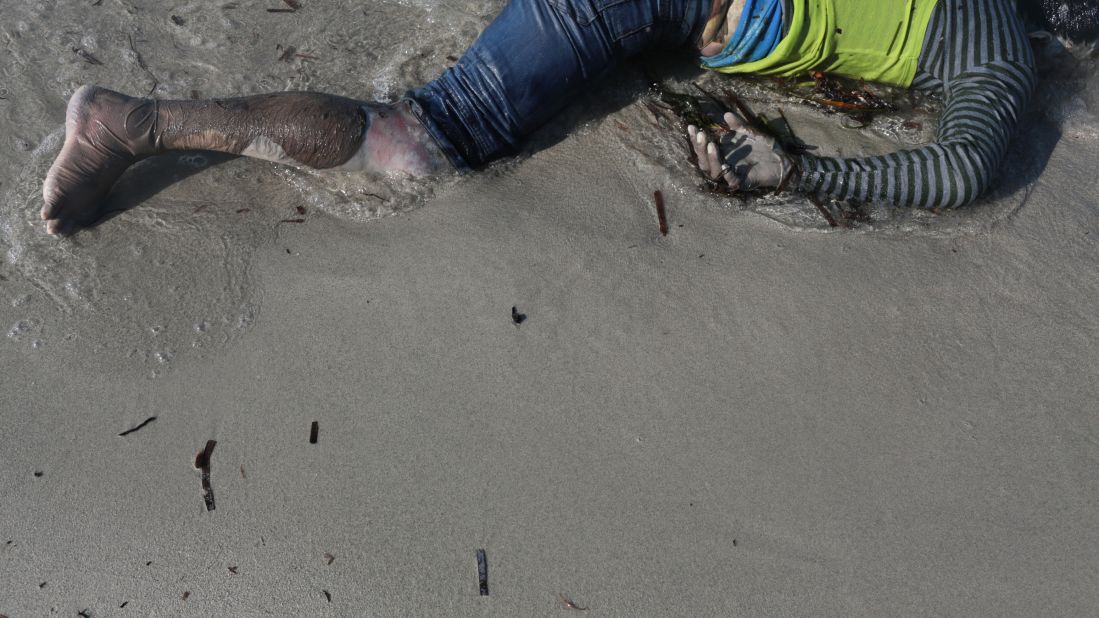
point(437, 134)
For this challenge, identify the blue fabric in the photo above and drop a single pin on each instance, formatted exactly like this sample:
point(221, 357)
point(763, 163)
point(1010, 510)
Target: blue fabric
point(535, 58)
point(757, 34)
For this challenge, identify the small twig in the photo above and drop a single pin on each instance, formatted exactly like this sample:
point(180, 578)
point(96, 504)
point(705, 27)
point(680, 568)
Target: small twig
point(137, 54)
point(567, 602)
point(482, 572)
point(144, 67)
point(661, 215)
point(313, 429)
point(202, 462)
point(143, 423)
point(288, 54)
point(90, 59)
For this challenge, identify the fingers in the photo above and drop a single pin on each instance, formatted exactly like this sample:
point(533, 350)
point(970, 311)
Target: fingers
point(700, 143)
point(713, 161)
point(735, 122)
point(731, 179)
point(708, 155)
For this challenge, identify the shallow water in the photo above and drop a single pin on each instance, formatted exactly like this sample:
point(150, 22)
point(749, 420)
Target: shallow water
point(171, 272)
point(149, 283)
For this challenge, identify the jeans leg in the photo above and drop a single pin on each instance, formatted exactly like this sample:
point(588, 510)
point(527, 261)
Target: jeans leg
point(534, 58)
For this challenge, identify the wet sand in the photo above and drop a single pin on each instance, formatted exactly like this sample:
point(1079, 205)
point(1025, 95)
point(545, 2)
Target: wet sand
point(753, 415)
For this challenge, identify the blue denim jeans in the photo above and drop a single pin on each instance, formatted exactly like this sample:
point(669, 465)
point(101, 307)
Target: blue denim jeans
point(533, 59)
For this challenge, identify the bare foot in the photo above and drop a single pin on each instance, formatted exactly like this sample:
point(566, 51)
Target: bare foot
point(105, 133)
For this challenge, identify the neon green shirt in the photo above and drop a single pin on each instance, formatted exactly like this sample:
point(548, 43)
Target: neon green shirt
point(875, 40)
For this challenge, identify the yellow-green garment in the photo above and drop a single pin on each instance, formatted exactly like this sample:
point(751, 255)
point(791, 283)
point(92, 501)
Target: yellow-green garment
point(875, 40)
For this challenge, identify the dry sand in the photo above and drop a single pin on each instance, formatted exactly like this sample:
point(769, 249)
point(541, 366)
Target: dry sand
point(751, 416)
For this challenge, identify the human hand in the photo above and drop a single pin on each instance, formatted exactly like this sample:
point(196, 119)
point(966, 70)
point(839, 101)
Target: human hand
point(745, 158)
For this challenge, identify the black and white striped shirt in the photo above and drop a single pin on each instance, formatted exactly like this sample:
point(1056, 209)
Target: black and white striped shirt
point(976, 54)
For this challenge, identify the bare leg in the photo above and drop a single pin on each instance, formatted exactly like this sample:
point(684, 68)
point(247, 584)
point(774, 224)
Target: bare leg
point(106, 132)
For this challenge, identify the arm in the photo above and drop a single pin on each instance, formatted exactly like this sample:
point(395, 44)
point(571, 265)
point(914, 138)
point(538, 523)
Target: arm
point(982, 109)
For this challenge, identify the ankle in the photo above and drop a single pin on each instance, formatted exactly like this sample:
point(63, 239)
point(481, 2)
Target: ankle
point(397, 141)
point(130, 120)
point(144, 127)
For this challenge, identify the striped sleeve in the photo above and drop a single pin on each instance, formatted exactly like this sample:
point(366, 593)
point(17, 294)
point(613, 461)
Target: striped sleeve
point(977, 53)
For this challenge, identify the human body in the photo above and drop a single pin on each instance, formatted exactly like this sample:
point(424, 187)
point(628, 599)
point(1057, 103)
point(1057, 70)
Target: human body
point(530, 62)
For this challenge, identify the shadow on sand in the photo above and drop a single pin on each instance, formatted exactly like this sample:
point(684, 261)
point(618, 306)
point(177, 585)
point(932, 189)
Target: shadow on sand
point(147, 178)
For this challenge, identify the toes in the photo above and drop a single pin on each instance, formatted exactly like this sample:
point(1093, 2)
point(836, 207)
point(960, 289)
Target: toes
point(52, 210)
point(50, 199)
point(61, 193)
point(68, 201)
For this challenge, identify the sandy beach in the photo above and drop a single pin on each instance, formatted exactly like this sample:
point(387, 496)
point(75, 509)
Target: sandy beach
point(754, 415)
